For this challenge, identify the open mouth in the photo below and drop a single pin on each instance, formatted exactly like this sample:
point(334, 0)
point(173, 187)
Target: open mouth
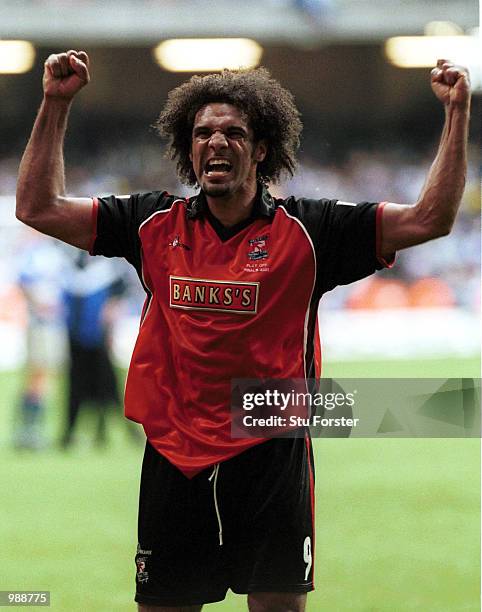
point(217, 167)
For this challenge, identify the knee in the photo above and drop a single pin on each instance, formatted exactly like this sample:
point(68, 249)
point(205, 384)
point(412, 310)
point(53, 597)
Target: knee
point(276, 602)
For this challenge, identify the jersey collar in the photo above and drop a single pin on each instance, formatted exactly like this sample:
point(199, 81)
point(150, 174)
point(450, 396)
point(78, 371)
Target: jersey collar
point(263, 204)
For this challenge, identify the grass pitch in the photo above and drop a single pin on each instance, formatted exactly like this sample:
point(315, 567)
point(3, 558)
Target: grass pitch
point(397, 520)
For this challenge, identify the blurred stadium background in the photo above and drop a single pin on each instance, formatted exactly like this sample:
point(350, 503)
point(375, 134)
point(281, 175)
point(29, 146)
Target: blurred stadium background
point(398, 521)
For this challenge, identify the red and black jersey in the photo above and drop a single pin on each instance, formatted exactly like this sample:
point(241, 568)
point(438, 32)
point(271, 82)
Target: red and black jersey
point(225, 303)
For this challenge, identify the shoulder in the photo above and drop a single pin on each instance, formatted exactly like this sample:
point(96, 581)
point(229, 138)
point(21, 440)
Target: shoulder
point(322, 209)
point(310, 212)
point(326, 218)
point(299, 206)
point(135, 208)
point(155, 200)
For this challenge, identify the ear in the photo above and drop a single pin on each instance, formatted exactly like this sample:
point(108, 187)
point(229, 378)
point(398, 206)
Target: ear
point(260, 151)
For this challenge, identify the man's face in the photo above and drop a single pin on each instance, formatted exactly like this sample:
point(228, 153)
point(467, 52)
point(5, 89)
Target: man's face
point(223, 154)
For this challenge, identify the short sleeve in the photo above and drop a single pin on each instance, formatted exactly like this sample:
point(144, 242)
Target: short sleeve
point(346, 238)
point(349, 241)
point(117, 222)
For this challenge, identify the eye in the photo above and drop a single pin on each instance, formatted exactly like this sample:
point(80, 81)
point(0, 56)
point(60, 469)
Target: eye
point(236, 134)
point(201, 133)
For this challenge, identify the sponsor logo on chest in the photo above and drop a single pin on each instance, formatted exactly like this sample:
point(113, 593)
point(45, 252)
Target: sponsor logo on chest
point(203, 294)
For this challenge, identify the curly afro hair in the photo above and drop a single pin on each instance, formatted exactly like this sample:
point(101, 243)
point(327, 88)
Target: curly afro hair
point(269, 108)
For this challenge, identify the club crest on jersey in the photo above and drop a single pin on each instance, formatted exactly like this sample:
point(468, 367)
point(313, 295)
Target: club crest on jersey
point(176, 242)
point(258, 248)
point(203, 294)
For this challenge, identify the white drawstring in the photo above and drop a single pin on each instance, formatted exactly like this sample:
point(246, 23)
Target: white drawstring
point(215, 474)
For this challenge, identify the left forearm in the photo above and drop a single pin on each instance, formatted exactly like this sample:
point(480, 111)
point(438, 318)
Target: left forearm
point(434, 213)
point(443, 189)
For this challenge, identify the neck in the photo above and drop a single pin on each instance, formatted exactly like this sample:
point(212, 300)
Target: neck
point(232, 209)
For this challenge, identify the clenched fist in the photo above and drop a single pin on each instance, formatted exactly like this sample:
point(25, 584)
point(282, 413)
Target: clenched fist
point(451, 84)
point(65, 74)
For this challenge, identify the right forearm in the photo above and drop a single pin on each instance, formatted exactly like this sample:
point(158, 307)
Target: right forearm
point(41, 178)
point(41, 199)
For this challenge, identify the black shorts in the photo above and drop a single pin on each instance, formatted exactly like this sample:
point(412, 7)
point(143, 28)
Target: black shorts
point(246, 524)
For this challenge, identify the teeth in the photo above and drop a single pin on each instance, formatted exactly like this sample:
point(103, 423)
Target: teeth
point(218, 166)
point(219, 162)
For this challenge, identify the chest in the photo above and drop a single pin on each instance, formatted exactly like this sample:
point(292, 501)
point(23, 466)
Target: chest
point(188, 266)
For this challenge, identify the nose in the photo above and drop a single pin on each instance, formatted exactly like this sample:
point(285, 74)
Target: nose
point(218, 140)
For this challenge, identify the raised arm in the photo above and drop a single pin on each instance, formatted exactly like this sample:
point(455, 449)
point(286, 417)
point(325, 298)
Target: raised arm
point(434, 213)
point(41, 200)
